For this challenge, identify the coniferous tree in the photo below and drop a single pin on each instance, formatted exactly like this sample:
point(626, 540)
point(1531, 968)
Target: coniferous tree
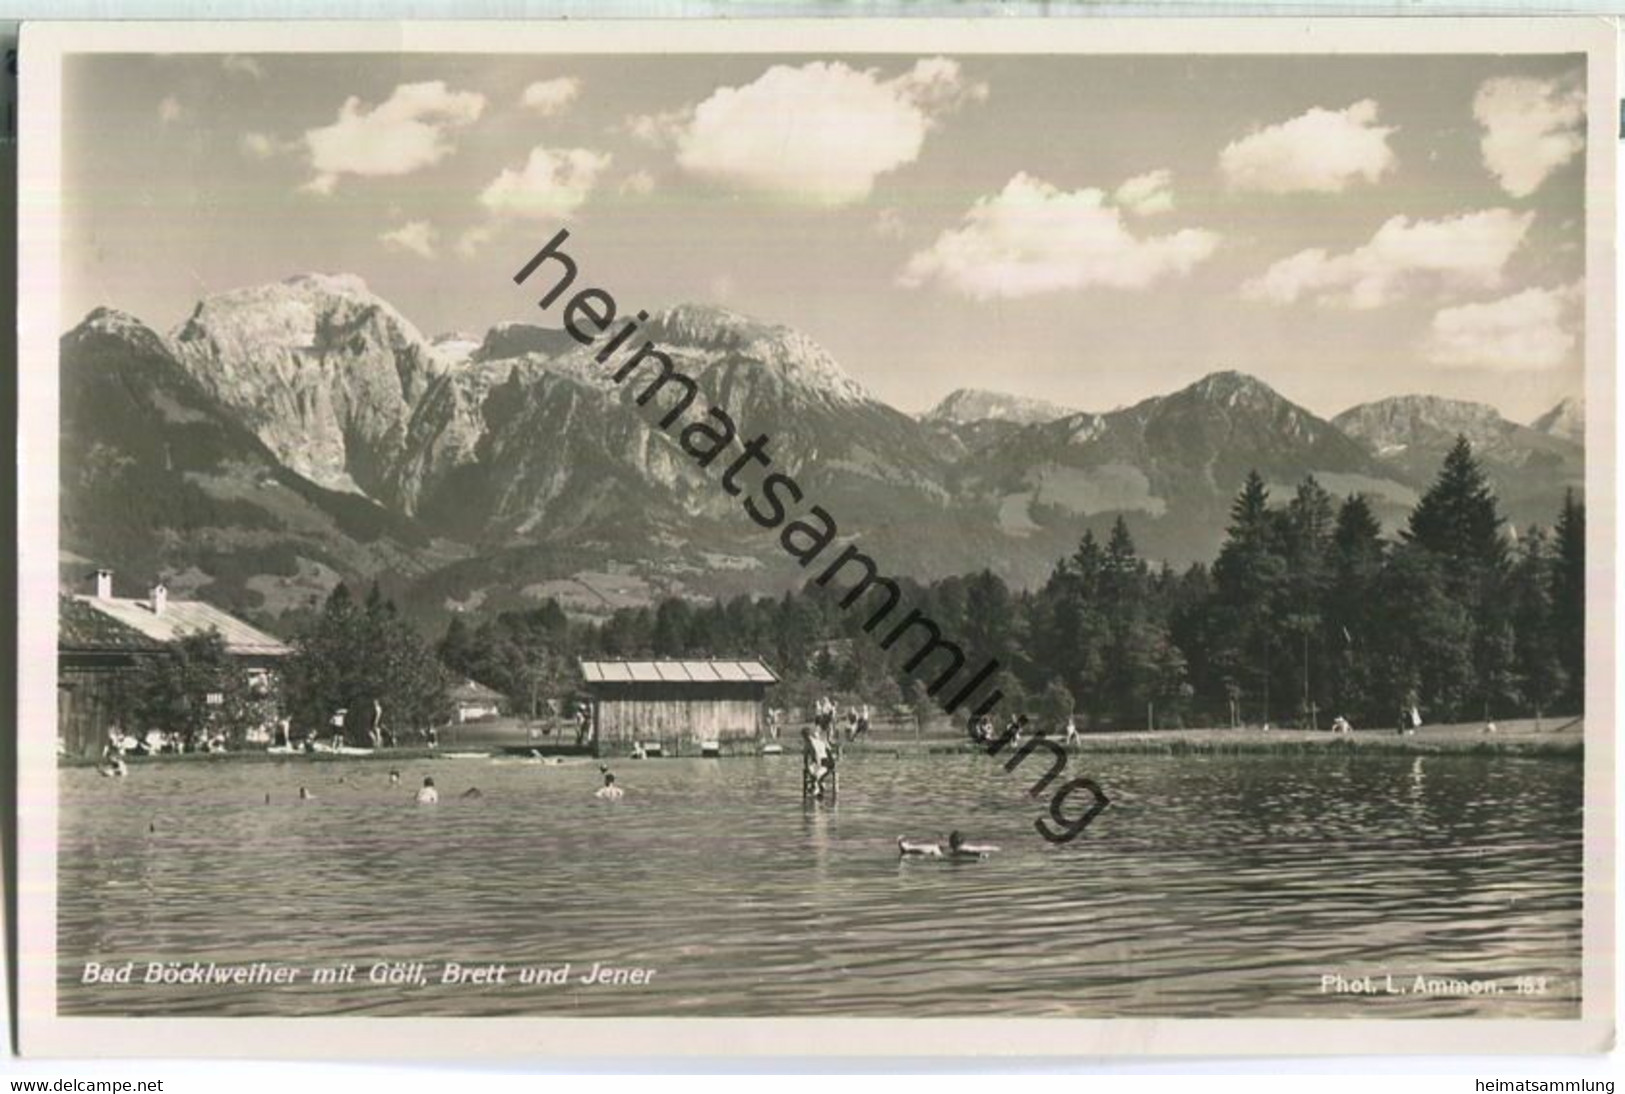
point(1307, 528)
point(1529, 592)
point(457, 646)
point(351, 657)
point(1069, 628)
point(1248, 577)
point(1568, 595)
point(1427, 638)
point(1352, 619)
point(1459, 520)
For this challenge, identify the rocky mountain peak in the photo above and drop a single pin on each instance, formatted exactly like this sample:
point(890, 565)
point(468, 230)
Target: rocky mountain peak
point(344, 284)
point(121, 325)
point(711, 331)
point(321, 370)
point(1566, 420)
point(512, 339)
point(1390, 425)
point(1230, 388)
point(967, 404)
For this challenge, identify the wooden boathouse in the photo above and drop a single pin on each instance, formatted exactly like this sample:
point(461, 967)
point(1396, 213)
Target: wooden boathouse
point(676, 702)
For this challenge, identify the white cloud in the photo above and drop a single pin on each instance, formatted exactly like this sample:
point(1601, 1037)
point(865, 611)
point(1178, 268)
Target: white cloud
point(638, 184)
point(239, 65)
point(658, 130)
point(1033, 238)
point(1147, 194)
point(417, 236)
point(553, 183)
point(170, 110)
point(547, 97)
point(1470, 251)
point(469, 243)
point(819, 134)
point(1531, 128)
point(1322, 151)
point(1532, 330)
point(407, 132)
point(262, 146)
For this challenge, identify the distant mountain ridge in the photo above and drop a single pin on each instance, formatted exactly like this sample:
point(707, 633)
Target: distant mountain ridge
point(969, 404)
point(1527, 466)
point(291, 434)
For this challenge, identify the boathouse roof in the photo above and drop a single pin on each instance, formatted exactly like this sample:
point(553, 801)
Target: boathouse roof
point(677, 672)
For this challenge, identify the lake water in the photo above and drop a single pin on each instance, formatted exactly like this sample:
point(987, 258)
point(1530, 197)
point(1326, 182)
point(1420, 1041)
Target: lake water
point(1213, 886)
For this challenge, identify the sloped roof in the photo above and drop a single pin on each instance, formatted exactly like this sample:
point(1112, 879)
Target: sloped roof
point(677, 672)
point(183, 617)
point(81, 628)
point(472, 691)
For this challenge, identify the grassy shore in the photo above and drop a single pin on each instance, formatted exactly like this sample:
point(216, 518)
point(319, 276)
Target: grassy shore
point(1552, 737)
point(1556, 737)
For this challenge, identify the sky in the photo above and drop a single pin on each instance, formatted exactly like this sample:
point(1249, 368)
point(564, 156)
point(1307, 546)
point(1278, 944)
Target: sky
point(1091, 230)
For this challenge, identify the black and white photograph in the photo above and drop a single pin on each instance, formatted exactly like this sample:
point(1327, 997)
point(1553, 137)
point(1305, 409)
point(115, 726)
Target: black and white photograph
point(765, 523)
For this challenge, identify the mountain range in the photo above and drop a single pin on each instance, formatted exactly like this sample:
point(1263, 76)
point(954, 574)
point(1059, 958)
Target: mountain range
point(287, 436)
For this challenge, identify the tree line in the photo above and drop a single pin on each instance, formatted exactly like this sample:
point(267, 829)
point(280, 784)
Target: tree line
point(1307, 613)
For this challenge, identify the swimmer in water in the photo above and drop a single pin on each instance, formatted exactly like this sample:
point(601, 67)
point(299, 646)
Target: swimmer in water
point(609, 791)
point(473, 792)
point(306, 795)
point(394, 778)
point(960, 849)
point(427, 794)
point(115, 769)
point(918, 848)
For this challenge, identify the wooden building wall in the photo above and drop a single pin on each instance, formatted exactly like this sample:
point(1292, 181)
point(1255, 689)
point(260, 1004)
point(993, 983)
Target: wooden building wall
point(648, 712)
point(90, 696)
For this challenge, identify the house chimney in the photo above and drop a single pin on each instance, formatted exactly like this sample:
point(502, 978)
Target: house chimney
point(104, 584)
point(160, 597)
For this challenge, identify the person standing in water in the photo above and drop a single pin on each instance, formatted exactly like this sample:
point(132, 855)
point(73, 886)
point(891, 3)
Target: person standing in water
point(609, 791)
point(427, 794)
point(818, 764)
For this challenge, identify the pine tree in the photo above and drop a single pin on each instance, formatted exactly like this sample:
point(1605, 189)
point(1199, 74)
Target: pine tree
point(457, 646)
point(1458, 522)
point(1069, 627)
point(991, 628)
point(351, 658)
point(1568, 596)
point(1458, 518)
point(1307, 529)
point(1428, 639)
point(1354, 637)
point(1248, 576)
point(1535, 647)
